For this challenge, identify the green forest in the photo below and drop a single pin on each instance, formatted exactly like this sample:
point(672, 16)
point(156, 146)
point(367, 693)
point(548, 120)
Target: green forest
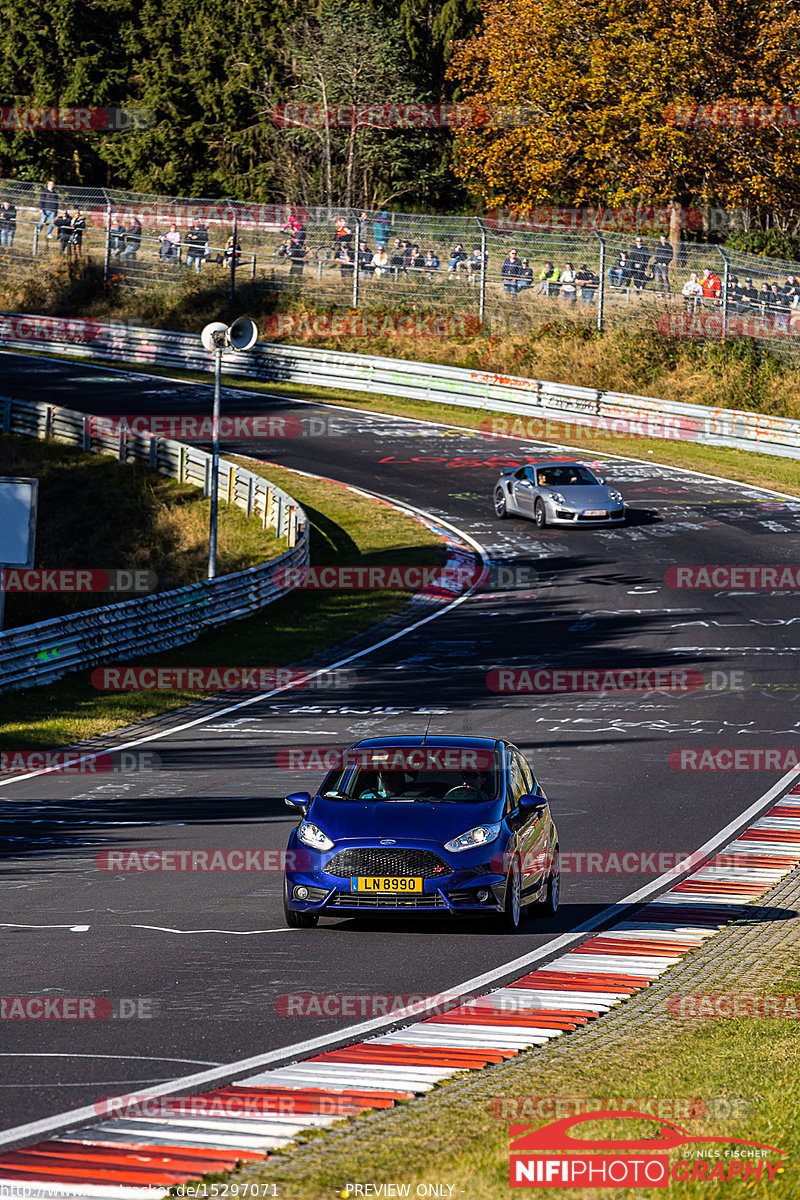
point(212, 75)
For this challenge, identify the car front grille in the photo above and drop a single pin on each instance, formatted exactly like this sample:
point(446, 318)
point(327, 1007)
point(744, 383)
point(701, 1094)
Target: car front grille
point(385, 900)
point(375, 860)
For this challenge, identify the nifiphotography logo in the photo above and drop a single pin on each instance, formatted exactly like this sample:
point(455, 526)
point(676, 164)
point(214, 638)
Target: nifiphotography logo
point(643, 1162)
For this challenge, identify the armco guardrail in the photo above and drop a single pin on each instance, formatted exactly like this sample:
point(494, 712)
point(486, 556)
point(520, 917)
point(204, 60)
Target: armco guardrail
point(637, 415)
point(40, 653)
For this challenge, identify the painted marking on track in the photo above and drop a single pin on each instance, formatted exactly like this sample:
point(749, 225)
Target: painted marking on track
point(234, 932)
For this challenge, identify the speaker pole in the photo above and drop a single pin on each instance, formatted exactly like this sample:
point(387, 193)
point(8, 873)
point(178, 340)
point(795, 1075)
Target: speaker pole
point(212, 535)
point(233, 258)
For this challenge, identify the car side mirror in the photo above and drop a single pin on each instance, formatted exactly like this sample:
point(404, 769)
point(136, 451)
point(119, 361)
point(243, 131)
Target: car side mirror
point(298, 800)
point(531, 805)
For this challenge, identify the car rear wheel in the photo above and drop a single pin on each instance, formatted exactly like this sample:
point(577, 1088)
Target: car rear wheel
point(297, 920)
point(539, 514)
point(549, 906)
point(500, 509)
point(512, 915)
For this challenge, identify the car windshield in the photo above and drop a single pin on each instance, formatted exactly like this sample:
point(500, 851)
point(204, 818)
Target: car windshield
point(429, 774)
point(565, 476)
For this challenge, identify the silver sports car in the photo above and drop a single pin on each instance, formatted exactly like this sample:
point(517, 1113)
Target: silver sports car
point(557, 493)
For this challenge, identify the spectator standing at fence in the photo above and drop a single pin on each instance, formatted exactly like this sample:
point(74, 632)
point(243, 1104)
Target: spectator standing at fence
point(233, 250)
point(749, 297)
point(568, 280)
point(549, 277)
point(196, 242)
point(417, 260)
point(525, 280)
point(432, 264)
point(63, 228)
point(764, 297)
point(78, 228)
point(779, 306)
point(620, 274)
point(734, 295)
point(344, 234)
point(48, 207)
point(458, 256)
point(712, 286)
point(398, 259)
point(693, 293)
point(364, 260)
point(8, 224)
point(791, 289)
point(662, 261)
point(380, 261)
point(380, 231)
point(297, 258)
point(510, 272)
point(295, 228)
point(170, 243)
point(117, 238)
point(639, 257)
point(587, 282)
point(344, 257)
point(133, 238)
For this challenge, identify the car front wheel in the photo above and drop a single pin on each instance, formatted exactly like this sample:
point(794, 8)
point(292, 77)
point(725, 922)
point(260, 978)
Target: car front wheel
point(297, 920)
point(512, 914)
point(549, 906)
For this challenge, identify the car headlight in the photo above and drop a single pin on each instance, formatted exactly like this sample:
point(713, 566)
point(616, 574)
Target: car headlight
point(478, 836)
point(312, 835)
point(615, 495)
point(557, 497)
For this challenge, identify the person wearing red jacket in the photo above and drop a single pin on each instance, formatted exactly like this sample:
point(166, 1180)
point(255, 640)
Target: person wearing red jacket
point(712, 285)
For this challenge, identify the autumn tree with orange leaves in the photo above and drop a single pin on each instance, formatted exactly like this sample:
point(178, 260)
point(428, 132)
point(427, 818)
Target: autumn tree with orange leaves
point(603, 80)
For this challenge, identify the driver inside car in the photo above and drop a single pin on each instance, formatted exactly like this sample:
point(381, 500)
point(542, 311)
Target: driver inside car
point(474, 787)
point(389, 785)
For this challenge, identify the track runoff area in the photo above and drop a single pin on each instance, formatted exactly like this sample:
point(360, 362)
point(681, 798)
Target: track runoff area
point(693, 745)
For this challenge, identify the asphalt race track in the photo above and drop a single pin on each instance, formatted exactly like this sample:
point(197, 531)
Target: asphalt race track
point(207, 954)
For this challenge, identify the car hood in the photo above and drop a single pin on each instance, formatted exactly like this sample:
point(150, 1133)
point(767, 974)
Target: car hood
point(589, 495)
point(359, 820)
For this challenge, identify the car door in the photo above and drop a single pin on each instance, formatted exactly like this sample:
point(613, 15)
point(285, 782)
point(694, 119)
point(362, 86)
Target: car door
point(515, 789)
point(532, 832)
point(523, 491)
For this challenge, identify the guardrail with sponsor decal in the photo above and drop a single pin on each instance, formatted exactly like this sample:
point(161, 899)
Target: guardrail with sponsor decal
point(41, 653)
point(619, 413)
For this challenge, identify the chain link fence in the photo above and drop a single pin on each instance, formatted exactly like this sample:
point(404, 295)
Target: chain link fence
point(502, 275)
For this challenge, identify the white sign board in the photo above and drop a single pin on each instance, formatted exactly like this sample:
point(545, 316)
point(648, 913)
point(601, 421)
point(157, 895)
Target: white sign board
point(18, 500)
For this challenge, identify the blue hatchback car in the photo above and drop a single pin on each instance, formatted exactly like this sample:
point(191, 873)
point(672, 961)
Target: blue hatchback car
point(456, 826)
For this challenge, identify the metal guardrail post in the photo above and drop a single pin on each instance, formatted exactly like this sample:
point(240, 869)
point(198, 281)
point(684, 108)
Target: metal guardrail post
point(233, 260)
point(482, 293)
point(107, 256)
point(725, 278)
point(601, 291)
point(357, 262)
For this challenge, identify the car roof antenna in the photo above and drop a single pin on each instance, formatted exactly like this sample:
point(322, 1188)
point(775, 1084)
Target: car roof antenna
point(427, 727)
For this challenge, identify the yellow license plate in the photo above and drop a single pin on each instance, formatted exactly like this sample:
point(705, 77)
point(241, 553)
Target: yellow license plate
point(375, 883)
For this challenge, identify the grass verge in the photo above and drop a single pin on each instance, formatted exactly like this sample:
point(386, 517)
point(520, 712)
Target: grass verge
point(97, 513)
point(447, 1138)
point(346, 530)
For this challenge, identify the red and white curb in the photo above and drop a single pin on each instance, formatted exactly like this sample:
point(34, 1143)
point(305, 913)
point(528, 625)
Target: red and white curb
point(128, 1157)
